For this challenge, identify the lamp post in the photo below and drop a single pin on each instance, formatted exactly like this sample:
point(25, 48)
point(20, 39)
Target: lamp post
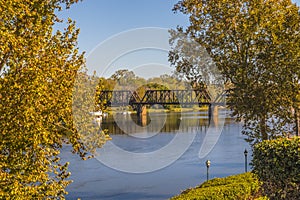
point(245, 153)
point(207, 167)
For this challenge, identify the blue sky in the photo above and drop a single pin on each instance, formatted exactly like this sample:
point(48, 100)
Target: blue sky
point(100, 20)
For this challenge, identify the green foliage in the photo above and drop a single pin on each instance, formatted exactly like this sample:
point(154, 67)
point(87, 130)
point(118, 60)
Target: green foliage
point(277, 164)
point(255, 45)
point(84, 101)
point(243, 186)
point(38, 68)
point(127, 80)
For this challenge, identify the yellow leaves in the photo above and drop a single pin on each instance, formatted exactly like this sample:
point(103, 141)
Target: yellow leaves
point(35, 94)
point(107, 137)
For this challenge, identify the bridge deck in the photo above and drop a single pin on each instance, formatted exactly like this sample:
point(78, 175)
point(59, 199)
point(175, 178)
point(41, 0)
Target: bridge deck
point(162, 97)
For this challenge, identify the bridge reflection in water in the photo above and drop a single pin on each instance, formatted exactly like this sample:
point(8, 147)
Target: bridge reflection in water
point(162, 122)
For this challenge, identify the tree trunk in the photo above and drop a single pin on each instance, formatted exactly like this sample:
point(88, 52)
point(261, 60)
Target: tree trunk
point(263, 128)
point(297, 121)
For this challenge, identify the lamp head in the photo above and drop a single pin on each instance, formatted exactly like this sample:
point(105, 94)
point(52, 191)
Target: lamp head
point(207, 163)
point(245, 152)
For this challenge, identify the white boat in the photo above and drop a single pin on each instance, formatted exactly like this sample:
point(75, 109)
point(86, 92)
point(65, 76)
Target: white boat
point(97, 113)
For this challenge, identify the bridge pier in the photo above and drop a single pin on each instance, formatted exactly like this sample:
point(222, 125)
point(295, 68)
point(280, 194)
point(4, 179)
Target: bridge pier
point(213, 112)
point(142, 120)
point(142, 115)
point(141, 110)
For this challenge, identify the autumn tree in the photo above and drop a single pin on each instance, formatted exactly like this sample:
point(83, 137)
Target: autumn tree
point(255, 45)
point(126, 80)
point(38, 68)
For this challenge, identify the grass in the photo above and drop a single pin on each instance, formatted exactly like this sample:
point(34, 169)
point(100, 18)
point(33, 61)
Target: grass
point(237, 187)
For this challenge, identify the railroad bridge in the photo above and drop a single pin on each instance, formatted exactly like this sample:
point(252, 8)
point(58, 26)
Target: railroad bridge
point(200, 97)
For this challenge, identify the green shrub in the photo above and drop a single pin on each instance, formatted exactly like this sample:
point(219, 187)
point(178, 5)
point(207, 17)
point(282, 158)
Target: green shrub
point(277, 164)
point(237, 187)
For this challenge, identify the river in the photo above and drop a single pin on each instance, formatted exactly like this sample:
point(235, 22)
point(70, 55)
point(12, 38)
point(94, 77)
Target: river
point(156, 179)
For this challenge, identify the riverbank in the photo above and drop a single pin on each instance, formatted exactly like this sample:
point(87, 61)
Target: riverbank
point(242, 186)
point(157, 110)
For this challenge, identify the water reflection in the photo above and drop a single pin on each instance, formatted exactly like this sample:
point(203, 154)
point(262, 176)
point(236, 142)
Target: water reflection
point(129, 123)
point(93, 180)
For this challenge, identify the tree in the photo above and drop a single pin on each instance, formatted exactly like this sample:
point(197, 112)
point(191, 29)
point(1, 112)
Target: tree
point(126, 80)
point(38, 69)
point(255, 45)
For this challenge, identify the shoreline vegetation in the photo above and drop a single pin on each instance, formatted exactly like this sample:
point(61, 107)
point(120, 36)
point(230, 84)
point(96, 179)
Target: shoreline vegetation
point(241, 186)
point(160, 110)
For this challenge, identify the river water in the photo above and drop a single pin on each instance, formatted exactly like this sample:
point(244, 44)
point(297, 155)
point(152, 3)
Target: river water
point(110, 181)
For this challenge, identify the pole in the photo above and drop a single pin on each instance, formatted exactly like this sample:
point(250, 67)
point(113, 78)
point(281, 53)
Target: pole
point(246, 163)
point(207, 177)
point(246, 153)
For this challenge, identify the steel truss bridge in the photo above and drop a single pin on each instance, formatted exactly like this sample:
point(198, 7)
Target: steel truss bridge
point(199, 97)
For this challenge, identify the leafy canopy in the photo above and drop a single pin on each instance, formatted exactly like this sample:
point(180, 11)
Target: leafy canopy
point(38, 68)
point(255, 45)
